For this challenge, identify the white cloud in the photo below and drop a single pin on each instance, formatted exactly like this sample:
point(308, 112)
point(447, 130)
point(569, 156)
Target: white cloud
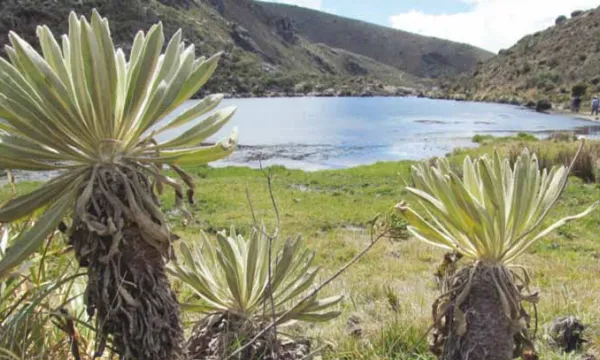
point(313, 4)
point(491, 24)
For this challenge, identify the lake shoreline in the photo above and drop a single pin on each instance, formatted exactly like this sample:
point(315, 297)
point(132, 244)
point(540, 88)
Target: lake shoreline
point(388, 91)
point(410, 92)
point(580, 116)
point(325, 134)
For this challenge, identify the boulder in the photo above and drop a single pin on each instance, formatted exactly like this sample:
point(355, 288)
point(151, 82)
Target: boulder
point(543, 105)
point(560, 20)
point(530, 104)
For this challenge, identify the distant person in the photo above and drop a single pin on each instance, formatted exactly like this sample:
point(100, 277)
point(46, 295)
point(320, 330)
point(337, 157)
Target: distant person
point(576, 104)
point(595, 105)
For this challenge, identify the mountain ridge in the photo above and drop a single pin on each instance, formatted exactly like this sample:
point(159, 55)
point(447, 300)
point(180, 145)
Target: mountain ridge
point(264, 53)
point(419, 55)
point(543, 66)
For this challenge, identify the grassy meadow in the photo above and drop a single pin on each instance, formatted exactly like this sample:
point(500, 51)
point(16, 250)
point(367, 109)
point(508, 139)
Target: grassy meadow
point(388, 293)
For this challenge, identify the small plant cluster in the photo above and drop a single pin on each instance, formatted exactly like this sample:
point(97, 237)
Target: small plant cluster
point(231, 281)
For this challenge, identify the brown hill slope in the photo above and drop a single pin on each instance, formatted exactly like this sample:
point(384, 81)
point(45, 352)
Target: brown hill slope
point(544, 65)
point(418, 55)
point(264, 52)
point(277, 42)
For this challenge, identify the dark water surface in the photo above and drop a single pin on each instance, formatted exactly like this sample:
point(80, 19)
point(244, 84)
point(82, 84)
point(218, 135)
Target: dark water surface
point(326, 133)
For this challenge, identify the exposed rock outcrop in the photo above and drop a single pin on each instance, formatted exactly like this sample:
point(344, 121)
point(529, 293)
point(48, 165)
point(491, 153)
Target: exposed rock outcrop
point(354, 68)
point(243, 39)
point(285, 28)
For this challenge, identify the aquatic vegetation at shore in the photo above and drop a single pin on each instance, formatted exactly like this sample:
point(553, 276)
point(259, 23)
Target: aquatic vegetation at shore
point(480, 139)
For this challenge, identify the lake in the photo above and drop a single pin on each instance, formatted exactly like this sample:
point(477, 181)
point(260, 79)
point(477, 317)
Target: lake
point(331, 133)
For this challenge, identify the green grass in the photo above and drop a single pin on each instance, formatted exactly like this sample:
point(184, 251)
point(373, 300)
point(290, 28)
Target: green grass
point(390, 291)
point(309, 202)
point(481, 139)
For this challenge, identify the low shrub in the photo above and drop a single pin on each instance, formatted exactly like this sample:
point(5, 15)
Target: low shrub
point(554, 62)
point(523, 136)
point(546, 80)
point(576, 13)
point(579, 89)
point(479, 139)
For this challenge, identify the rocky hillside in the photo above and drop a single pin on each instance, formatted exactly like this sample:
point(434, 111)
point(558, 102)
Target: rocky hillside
point(421, 56)
point(265, 52)
point(541, 66)
point(289, 59)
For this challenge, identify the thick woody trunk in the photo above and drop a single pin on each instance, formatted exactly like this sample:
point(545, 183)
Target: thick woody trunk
point(128, 290)
point(488, 333)
point(132, 299)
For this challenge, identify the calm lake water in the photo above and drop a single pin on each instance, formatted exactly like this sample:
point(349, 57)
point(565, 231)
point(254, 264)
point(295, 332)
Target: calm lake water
point(327, 133)
point(332, 133)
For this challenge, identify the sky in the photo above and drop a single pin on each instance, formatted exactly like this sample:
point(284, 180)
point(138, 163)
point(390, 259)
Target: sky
point(488, 24)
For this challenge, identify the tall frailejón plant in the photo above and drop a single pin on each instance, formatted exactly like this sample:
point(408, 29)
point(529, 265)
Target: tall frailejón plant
point(491, 215)
point(86, 109)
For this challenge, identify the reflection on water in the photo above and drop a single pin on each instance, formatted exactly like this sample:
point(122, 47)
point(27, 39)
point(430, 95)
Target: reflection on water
point(327, 133)
point(589, 131)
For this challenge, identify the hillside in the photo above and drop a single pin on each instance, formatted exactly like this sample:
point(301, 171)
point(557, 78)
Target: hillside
point(545, 65)
point(421, 56)
point(265, 53)
point(284, 51)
